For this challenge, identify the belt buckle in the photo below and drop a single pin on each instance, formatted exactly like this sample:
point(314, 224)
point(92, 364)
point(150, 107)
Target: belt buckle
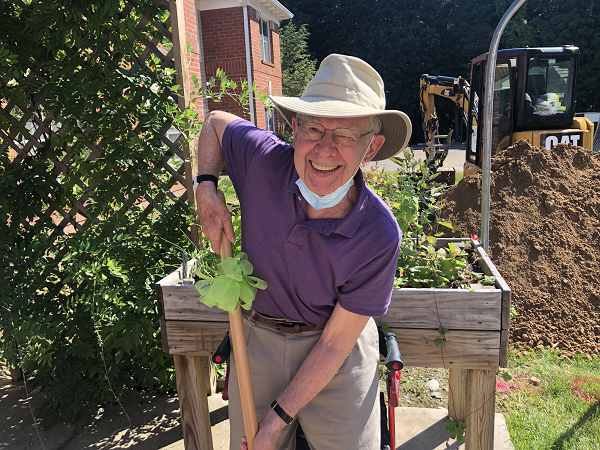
point(287, 324)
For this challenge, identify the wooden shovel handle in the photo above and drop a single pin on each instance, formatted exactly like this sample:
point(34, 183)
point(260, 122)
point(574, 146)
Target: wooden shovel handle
point(240, 352)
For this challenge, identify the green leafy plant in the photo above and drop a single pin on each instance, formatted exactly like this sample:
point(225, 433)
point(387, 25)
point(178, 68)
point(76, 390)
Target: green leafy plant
point(503, 373)
point(385, 327)
point(218, 89)
point(412, 194)
point(456, 429)
point(439, 341)
point(425, 266)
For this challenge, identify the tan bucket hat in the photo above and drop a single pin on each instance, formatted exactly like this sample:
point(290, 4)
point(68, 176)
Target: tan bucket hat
point(346, 86)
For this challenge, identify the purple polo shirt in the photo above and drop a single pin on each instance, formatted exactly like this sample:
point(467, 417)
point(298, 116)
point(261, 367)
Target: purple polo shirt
point(309, 265)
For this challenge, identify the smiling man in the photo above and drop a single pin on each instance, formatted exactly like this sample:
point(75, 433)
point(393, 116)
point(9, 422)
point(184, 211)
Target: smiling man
point(326, 245)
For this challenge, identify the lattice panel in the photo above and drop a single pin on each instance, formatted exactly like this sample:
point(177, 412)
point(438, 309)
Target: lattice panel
point(31, 125)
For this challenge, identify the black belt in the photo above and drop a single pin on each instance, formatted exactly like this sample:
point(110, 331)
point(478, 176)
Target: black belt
point(283, 325)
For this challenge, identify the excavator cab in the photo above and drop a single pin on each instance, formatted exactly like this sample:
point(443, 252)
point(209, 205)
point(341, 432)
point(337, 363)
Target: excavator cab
point(534, 99)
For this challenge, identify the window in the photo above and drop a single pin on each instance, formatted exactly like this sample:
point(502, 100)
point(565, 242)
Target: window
point(265, 41)
point(270, 120)
point(550, 85)
point(501, 109)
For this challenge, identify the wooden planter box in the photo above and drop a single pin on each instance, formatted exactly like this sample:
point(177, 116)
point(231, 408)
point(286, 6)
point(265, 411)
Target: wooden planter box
point(478, 321)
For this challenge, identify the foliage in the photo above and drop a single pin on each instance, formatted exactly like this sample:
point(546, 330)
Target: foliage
point(218, 89)
point(412, 193)
point(404, 40)
point(230, 285)
point(297, 67)
point(78, 311)
point(456, 429)
point(385, 327)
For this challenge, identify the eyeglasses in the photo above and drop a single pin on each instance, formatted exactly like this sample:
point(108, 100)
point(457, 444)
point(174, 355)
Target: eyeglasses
point(346, 137)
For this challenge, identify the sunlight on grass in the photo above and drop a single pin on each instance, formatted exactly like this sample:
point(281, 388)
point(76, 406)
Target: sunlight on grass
point(563, 413)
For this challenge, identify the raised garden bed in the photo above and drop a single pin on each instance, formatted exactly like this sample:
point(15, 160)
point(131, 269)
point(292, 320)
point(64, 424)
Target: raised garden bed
point(478, 321)
point(476, 344)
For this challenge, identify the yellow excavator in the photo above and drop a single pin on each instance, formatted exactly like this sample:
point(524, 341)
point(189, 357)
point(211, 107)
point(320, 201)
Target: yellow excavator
point(534, 99)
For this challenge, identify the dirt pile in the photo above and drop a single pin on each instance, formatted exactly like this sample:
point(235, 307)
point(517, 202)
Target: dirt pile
point(544, 239)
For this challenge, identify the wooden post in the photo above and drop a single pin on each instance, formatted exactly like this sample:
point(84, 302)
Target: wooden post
point(472, 400)
point(184, 80)
point(457, 395)
point(191, 388)
point(480, 433)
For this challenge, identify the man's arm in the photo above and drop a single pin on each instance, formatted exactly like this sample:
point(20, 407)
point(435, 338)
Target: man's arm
point(212, 211)
point(322, 363)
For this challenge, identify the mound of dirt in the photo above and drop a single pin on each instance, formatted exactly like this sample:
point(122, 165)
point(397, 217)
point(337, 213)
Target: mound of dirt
point(544, 240)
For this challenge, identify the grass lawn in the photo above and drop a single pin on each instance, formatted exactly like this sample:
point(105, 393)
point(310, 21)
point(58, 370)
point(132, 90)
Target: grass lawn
point(561, 412)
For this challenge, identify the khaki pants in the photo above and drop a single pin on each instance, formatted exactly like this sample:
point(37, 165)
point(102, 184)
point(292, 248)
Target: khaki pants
point(345, 415)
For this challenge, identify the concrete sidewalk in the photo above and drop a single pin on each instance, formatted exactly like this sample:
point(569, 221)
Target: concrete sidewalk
point(155, 424)
point(416, 429)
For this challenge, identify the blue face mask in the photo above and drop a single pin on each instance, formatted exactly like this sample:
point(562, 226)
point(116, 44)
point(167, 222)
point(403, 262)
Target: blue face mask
point(319, 202)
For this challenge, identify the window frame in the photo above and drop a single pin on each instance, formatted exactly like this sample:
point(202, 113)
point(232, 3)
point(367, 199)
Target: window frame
point(265, 40)
point(269, 119)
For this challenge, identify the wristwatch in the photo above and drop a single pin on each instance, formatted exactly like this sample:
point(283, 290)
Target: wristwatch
point(281, 413)
point(206, 177)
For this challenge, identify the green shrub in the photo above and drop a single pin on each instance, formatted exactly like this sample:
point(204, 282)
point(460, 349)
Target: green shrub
point(78, 311)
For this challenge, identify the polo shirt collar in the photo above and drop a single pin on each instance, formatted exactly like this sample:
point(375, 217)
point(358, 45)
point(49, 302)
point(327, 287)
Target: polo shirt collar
point(346, 226)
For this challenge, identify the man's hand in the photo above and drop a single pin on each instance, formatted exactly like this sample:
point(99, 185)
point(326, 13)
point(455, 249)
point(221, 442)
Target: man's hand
point(214, 216)
point(268, 432)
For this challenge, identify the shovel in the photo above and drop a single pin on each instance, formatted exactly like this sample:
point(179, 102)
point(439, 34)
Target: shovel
point(240, 352)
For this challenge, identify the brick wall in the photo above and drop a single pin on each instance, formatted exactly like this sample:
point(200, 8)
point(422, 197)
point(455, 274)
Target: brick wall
point(224, 48)
point(264, 71)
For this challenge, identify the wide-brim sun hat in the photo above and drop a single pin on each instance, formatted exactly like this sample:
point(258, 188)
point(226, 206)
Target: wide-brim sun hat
point(346, 87)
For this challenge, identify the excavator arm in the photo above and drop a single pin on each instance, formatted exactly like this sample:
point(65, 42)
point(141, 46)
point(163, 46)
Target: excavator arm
point(456, 89)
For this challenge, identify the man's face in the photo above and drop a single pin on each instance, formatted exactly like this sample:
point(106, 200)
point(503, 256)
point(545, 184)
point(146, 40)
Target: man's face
point(325, 165)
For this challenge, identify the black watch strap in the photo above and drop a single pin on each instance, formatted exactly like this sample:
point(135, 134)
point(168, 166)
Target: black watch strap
point(206, 177)
point(281, 413)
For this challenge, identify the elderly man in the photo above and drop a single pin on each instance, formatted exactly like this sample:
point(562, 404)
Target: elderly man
point(327, 247)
